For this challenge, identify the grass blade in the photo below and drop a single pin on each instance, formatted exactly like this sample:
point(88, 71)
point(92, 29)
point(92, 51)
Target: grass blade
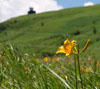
point(58, 76)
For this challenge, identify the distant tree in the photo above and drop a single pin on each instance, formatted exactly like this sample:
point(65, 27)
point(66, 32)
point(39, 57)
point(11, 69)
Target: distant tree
point(31, 11)
point(2, 27)
point(97, 39)
point(15, 21)
point(94, 21)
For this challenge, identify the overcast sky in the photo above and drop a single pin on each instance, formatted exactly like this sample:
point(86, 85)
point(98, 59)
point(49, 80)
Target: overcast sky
point(13, 8)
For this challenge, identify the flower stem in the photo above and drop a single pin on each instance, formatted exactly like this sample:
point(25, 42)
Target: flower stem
point(79, 67)
point(75, 71)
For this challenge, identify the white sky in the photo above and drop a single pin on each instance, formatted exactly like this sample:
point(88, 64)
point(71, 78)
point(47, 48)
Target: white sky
point(13, 8)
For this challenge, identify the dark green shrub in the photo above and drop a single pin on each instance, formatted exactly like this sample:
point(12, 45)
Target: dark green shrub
point(2, 28)
point(94, 30)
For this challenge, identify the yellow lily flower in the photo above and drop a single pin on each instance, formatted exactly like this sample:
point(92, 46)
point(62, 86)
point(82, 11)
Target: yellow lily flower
point(67, 48)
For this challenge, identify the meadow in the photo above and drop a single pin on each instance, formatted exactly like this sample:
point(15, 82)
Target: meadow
point(39, 33)
point(18, 71)
point(28, 46)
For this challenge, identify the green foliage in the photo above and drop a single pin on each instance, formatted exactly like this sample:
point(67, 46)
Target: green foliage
point(18, 71)
point(2, 27)
point(76, 33)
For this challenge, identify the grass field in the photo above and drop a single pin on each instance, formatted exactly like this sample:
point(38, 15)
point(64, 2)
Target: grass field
point(43, 33)
point(28, 46)
point(19, 71)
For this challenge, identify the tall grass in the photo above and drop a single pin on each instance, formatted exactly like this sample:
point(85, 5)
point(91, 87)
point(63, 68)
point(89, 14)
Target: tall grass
point(19, 71)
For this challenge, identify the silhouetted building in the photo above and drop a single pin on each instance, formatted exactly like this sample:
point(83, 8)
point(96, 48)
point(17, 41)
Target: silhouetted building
point(31, 11)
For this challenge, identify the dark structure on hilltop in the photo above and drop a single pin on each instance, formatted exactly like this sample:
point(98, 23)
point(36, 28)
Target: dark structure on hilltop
point(31, 11)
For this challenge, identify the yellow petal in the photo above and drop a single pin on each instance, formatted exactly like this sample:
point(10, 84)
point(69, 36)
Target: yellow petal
point(60, 51)
point(68, 55)
point(61, 47)
point(73, 42)
point(66, 42)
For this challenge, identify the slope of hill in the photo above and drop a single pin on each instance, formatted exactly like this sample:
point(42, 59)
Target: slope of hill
point(44, 33)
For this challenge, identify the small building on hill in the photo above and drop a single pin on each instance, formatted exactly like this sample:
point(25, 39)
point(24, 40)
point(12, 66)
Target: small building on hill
point(31, 11)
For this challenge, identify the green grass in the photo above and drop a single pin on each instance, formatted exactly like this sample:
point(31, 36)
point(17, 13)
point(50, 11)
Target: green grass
point(18, 71)
point(43, 33)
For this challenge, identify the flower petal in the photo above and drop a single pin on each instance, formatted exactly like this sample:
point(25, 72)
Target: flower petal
point(73, 42)
point(60, 51)
point(66, 42)
point(61, 47)
point(68, 55)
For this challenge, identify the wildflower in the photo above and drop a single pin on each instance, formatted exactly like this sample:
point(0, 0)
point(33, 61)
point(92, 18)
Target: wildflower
point(98, 63)
point(46, 59)
point(25, 69)
point(82, 69)
point(67, 48)
point(88, 70)
point(55, 59)
point(85, 47)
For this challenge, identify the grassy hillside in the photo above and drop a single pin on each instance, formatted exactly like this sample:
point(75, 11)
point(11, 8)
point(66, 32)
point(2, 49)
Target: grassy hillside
point(44, 33)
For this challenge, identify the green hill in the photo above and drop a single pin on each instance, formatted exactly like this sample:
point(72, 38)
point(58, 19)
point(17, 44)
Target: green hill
point(43, 33)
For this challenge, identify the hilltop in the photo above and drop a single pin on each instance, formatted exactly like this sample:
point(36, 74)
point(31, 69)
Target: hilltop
point(43, 33)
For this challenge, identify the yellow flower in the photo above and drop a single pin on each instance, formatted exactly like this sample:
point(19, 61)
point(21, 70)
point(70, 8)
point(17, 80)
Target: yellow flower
point(55, 59)
point(82, 69)
point(88, 70)
point(67, 48)
point(85, 47)
point(25, 69)
point(98, 63)
point(46, 59)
